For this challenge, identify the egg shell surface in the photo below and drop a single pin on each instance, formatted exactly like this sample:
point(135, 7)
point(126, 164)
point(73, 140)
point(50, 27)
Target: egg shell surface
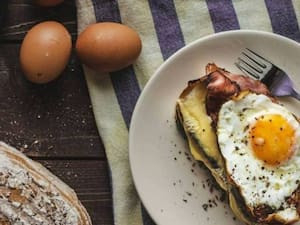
point(108, 46)
point(45, 51)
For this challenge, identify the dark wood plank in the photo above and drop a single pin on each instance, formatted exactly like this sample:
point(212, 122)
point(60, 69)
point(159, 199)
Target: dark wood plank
point(53, 123)
point(53, 120)
point(90, 180)
point(3, 9)
point(23, 14)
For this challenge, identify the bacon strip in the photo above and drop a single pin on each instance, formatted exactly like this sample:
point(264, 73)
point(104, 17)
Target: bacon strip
point(219, 89)
point(219, 85)
point(247, 83)
point(222, 85)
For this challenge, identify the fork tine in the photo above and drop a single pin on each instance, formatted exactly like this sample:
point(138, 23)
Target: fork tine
point(253, 58)
point(258, 55)
point(257, 69)
point(246, 69)
point(258, 58)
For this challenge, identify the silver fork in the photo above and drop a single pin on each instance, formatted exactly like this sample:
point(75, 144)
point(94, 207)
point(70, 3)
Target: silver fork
point(278, 82)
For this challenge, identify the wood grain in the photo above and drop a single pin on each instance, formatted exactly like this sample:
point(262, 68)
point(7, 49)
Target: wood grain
point(53, 123)
point(53, 120)
point(90, 180)
point(20, 16)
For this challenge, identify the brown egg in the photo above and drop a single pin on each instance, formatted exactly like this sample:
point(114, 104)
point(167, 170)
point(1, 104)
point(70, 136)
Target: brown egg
point(108, 46)
point(47, 3)
point(45, 52)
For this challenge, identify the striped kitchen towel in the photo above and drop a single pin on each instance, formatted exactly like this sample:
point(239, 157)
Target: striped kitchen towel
point(164, 26)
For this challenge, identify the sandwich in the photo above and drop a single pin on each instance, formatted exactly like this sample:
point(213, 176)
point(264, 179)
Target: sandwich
point(249, 142)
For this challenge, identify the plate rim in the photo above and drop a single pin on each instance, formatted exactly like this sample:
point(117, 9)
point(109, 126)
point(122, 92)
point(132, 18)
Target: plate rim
point(155, 76)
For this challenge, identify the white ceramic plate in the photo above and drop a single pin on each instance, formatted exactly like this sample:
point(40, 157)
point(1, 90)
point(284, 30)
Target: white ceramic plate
point(173, 189)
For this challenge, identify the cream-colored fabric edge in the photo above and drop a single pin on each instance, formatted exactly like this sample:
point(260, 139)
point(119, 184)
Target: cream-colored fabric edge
point(127, 208)
point(252, 15)
point(137, 15)
point(194, 19)
point(85, 14)
point(111, 126)
point(296, 4)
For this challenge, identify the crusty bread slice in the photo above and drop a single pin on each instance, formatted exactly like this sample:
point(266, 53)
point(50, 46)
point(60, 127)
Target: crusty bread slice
point(31, 194)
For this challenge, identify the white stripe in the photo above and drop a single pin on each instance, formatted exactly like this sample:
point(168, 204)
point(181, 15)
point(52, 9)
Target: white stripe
point(115, 138)
point(114, 133)
point(296, 4)
point(85, 14)
point(137, 14)
point(194, 19)
point(252, 15)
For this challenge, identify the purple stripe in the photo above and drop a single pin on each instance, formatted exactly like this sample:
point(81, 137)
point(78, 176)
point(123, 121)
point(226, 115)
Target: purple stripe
point(222, 15)
point(167, 26)
point(127, 91)
point(124, 81)
point(107, 11)
point(283, 18)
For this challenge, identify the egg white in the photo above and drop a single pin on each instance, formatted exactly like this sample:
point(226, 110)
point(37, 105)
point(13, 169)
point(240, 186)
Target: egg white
point(258, 182)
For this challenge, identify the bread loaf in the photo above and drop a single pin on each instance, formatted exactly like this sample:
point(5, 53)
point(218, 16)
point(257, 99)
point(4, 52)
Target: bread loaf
point(32, 195)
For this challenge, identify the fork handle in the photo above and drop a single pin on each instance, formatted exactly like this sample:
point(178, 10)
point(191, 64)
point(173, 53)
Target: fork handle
point(295, 94)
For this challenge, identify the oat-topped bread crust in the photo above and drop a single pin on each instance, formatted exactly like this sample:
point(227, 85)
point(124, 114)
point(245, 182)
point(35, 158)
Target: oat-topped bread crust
point(30, 194)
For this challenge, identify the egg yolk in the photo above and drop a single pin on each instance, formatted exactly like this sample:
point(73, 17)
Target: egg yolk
point(272, 139)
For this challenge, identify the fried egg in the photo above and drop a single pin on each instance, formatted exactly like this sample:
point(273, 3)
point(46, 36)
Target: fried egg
point(260, 143)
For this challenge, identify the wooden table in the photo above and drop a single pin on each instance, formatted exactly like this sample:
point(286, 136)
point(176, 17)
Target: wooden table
point(53, 123)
